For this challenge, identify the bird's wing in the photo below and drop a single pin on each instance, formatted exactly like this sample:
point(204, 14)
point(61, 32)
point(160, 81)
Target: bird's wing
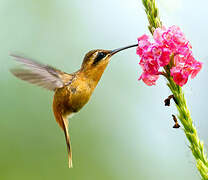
point(40, 74)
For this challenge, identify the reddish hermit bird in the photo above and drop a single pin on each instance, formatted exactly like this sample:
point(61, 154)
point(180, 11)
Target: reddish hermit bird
point(72, 91)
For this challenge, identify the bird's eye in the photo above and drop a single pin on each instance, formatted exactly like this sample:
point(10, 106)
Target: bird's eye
point(99, 56)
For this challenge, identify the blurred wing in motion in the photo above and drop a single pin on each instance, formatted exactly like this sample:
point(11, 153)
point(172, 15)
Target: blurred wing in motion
point(39, 74)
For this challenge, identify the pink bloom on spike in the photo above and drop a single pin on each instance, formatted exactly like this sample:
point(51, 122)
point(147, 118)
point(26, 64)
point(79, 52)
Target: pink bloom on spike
point(179, 59)
point(193, 66)
point(183, 50)
point(156, 51)
point(150, 66)
point(148, 79)
point(154, 55)
point(143, 44)
point(197, 66)
point(185, 66)
point(158, 35)
point(143, 38)
point(179, 76)
point(175, 40)
point(177, 36)
point(165, 57)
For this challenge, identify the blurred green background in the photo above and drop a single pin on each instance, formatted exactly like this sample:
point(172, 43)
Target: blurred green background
point(124, 132)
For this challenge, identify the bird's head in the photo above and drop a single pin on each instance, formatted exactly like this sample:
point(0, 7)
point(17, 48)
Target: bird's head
point(96, 61)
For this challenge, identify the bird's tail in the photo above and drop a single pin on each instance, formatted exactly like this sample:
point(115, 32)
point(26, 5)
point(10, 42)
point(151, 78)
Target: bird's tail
point(66, 133)
point(63, 123)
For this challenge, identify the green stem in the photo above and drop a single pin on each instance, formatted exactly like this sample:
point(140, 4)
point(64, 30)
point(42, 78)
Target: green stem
point(196, 145)
point(190, 131)
point(152, 15)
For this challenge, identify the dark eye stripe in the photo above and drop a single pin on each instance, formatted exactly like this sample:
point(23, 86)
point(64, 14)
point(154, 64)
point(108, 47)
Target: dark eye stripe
point(100, 56)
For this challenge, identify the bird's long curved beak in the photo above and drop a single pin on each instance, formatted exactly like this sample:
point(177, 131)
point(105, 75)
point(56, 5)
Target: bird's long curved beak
point(121, 49)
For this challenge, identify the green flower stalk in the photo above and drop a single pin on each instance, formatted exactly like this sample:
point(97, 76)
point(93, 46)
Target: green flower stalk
point(152, 15)
point(174, 84)
point(196, 145)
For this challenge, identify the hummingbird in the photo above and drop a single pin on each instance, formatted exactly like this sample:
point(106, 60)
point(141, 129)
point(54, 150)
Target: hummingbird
point(71, 91)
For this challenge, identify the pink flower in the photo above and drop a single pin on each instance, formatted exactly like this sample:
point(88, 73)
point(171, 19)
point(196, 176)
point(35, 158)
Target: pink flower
point(179, 76)
point(184, 67)
point(175, 40)
point(143, 44)
point(196, 67)
point(165, 57)
point(158, 33)
point(149, 79)
point(149, 65)
point(154, 55)
point(177, 36)
point(156, 51)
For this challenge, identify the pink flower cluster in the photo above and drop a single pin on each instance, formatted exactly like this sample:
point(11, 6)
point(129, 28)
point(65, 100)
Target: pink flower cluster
point(168, 42)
